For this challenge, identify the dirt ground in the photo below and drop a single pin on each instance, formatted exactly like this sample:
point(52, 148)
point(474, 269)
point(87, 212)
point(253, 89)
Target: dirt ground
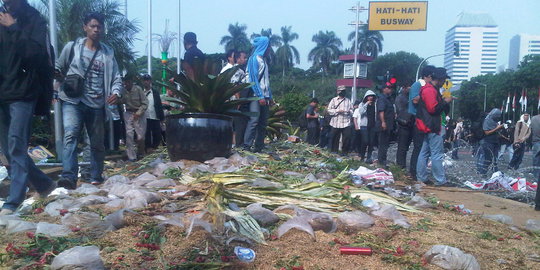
point(481, 203)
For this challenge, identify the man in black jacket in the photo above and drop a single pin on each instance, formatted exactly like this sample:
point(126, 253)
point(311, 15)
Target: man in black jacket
point(154, 113)
point(25, 76)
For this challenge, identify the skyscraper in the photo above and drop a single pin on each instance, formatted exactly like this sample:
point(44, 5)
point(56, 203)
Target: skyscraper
point(478, 35)
point(521, 45)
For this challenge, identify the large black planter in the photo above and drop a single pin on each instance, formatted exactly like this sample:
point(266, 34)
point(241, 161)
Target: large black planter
point(199, 136)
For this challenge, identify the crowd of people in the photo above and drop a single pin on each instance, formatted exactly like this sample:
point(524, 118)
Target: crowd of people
point(94, 96)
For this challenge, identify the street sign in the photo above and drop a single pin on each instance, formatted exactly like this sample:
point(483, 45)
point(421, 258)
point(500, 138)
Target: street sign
point(447, 84)
point(398, 16)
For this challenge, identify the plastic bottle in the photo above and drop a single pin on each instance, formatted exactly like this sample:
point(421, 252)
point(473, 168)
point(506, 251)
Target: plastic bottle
point(244, 254)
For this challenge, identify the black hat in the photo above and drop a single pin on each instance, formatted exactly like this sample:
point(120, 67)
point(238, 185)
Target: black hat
point(440, 73)
point(146, 77)
point(190, 37)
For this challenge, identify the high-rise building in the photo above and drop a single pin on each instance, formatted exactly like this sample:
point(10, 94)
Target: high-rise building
point(478, 36)
point(521, 45)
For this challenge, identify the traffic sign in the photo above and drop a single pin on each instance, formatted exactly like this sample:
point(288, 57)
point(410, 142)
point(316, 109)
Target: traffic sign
point(447, 84)
point(398, 16)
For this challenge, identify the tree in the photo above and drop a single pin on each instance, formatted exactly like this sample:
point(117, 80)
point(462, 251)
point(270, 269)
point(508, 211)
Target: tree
point(326, 50)
point(287, 55)
point(237, 40)
point(275, 40)
point(120, 32)
point(400, 65)
point(369, 42)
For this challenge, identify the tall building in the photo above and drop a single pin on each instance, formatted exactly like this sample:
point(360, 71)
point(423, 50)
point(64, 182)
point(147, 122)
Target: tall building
point(478, 36)
point(521, 45)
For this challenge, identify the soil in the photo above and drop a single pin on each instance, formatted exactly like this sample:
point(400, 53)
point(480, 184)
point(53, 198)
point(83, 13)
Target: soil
point(481, 203)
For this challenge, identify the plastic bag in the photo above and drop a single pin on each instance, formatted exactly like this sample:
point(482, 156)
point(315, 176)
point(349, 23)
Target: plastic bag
point(351, 222)
point(118, 218)
point(500, 218)
point(4, 219)
point(80, 219)
point(53, 230)
point(136, 199)
point(318, 221)
point(196, 221)
point(298, 223)
point(451, 258)
point(79, 258)
point(92, 200)
point(120, 189)
point(53, 208)
point(15, 226)
point(533, 225)
point(262, 215)
point(419, 202)
point(116, 179)
point(390, 212)
point(175, 219)
point(163, 183)
point(87, 189)
point(144, 179)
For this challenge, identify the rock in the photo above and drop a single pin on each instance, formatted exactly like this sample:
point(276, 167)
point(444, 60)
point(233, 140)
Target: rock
point(52, 230)
point(390, 212)
point(163, 183)
point(92, 200)
point(500, 218)
point(324, 176)
point(116, 179)
point(262, 215)
point(79, 258)
point(263, 183)
point(419, 202)
point(533, 225)
point(352, 222)
point(293, 174)
point(15, 226)
point(87, 189)
point(451, 258)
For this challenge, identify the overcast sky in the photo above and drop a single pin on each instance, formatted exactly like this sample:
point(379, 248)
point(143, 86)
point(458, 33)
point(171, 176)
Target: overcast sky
point(210, 19)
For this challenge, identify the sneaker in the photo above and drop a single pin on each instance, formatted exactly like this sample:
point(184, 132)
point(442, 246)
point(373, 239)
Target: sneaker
point(96, 182)
point(44, 194)
point(67, 183)
point(6, 212)
point(429, 183)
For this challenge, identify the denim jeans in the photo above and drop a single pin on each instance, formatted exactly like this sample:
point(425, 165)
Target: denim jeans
point(433, 145)
point(367, 142)
point(15, 130)
point(506, 148)
point(75, 117)
point(256, 127)
point(418, 141)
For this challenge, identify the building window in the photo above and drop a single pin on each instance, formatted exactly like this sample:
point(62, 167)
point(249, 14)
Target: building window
point(489, 41)
point(491, 33)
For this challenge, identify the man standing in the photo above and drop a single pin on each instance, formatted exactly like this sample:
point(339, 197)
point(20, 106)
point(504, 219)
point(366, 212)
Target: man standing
point(428, 121)
point(95, 63)
point(521, 136)
point(230, 61)
point(365, 116)
point(192, 52)
point(414, 96)
point(240, 121)
point(154, 114)
point(25, 76)
point(312, 115)
point(384, 122)
point(341, 110)
point(535, 131)
point(135, 103)
point(257, 69)
point(405, 126)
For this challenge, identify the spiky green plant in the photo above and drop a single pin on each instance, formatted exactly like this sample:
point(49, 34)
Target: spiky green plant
point(276, 123)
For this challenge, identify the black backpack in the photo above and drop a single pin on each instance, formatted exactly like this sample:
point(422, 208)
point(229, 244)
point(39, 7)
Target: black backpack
point(302, 120)
point(477, 129)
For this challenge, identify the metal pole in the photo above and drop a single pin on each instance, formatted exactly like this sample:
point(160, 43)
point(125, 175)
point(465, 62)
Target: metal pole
point(353, 94)
point(453, 108)
point(485, 95)
point(178, 64)
point(418, 69)
point(149, 38)
point(125, 8)
point(58, 125)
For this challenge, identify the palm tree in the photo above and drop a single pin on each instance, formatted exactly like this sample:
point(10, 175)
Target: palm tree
point(326, 51)
point(237, 40)
point(287, 55)
point(369, 42)
point(120, 32)
point(275, 40)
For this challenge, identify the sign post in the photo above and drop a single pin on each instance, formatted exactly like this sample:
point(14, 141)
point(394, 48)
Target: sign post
point(398, 16)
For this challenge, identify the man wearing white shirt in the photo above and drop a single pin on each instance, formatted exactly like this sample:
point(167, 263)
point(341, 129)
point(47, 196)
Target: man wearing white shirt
point(230, 61)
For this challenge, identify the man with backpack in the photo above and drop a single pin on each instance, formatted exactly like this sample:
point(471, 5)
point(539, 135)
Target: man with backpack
point(312, 122)
point(431, 105)
point(26, 73)
point(91, 80)
point(489, 144)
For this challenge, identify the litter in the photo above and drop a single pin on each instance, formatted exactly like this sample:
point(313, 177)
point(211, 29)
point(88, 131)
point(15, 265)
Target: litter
point(262, 215)
point(500, 218)
point(79, 258)
point(499, 181)
point(451, 258)
point(355, 251)
point(243, 254)
point(378, 176)
point(52, 230)
point(298, 223)
point(352, 222)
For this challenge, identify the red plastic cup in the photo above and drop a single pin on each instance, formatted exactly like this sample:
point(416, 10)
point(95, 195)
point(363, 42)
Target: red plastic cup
point(355, 251)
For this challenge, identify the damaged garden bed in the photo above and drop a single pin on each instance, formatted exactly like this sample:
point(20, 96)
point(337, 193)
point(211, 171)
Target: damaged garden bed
point(294, 206)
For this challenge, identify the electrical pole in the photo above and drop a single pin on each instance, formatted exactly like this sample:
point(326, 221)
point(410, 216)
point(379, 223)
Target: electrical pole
point(178, 64)
point(149, 38)
point(125, 9)
point(58, 125)
point(355, 65)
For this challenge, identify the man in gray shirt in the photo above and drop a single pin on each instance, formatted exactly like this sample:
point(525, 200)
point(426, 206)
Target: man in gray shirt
point(102, 85)
point(535, 131)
